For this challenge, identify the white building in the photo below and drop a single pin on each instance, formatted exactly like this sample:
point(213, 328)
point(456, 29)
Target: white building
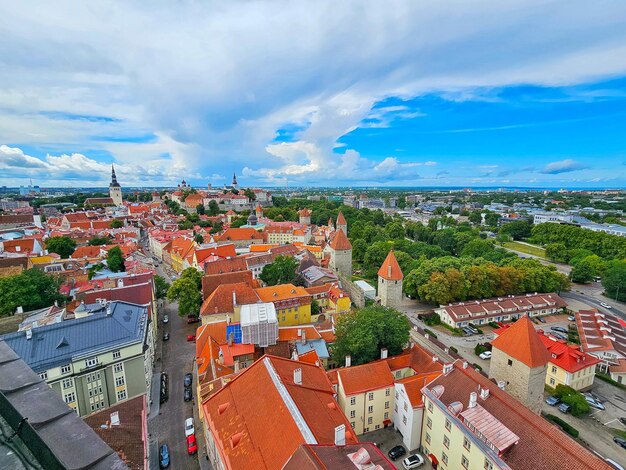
point(259, 324)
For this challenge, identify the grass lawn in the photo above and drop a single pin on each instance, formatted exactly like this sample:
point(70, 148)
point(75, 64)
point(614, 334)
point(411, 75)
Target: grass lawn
point(530, 249)
point(10, 324)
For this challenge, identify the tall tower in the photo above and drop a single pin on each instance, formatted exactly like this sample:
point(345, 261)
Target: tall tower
point(305, 216)
point(235, 185)
point(340, 250)
point(342, 224)
point(390, 282)
point(115, 190)
point(519, 360)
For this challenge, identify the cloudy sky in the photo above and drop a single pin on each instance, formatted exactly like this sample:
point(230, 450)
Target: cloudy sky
point(394, 93)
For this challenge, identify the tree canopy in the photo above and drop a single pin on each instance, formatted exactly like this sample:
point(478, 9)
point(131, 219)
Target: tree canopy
point(115, 259)
point(98, 241)
point(362, 333)
point(186, 290)
point(63, 246)
point(161, 286)
point(32, 289)
point(281, 271)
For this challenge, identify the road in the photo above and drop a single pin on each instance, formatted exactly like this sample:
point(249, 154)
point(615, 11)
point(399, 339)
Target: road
point(592, 301)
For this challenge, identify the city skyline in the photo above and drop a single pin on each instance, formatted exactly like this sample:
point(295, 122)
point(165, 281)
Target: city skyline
point(335, 96)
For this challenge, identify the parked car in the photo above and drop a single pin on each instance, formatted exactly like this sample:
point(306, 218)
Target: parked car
point(189, 430)
point(594, 403)
point(413, 461)
point(559, 328)
point(191, 337)
point(166, 319)
point(472, 329)
point(605, 305)
point(396, 452)
point(192, 447)
point(553, 401)
point(571, 318)
point(620, 442)
point(193, 319)
point(467, 331)
point(166, 336)
point(541, 319)
point(564, 408)
point(560, 336)
point(188, 395)
point(188, 379)
point(164, 395)
point(164, 456)
point(485, 355)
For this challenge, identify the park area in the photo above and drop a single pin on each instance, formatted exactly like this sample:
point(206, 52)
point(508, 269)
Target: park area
point(527, 248)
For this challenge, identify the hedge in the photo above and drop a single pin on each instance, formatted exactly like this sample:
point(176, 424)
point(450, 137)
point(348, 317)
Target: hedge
point(426, 330)
point(572, 431)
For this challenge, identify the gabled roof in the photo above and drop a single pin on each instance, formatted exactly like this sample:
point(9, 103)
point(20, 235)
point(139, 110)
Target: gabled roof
point(366, 377)
point(239, 234)
point(281, 292)
point(213, 281)
point(390, 269)
point(339, 241)
point(522, 342)
point(226, 296)
point(228, 265)
point(567, 356)
point(413, 386)
point(341, 220)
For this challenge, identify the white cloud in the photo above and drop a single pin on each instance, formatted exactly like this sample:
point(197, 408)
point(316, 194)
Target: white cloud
point(215, 82)
point(563, 166)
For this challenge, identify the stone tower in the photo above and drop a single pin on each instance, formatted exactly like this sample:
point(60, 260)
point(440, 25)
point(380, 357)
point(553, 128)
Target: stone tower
point(340, 250)
point(390, 282)
point(259, 211)
point(519, 360)
point(305, 216)
point(115, 190)
point(342, 224)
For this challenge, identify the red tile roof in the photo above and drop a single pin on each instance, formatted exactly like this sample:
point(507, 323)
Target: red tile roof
point(366, 377)
point(294, 333)
point(414, 385)
point(566, 356)
point(211, 282)
point(390, 269)
point(223, 298)
point(231, 351)
point(281, 292)
point(226, 266)
point(239, 234)
point(245, 424)
point(223, 251)
point(522, 342)
point(310, 357)
point(339, 241)
point(332, 457)
point(341, 220)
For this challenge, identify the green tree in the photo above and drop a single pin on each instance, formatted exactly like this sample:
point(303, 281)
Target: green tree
point(443, 288)
point(115, 259)
point(359, 247)
point(361, 334)
point(614, 280)
point(573, 398)
point(63, 246)
point(117, 223)
point(395, 230)
point(160, 286)
point(186, 290)
point(31, 289)
point(250, 194)
point(98, 241)
point(492, 219)
point(281, 271)
point(557, 252)
point(582, 272)
point(200, 210)
point(238, 222)
point(519, 229)
point(315, 307)
point(475, 217)
point(198, 238)
point(214, 208)
point(477, 248)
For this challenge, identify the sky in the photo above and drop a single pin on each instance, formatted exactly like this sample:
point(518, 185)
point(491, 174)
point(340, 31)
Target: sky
point(522, 93)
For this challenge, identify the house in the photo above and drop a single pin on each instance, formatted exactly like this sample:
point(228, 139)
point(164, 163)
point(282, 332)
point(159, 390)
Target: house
point(247, 429)
point(604, 336)
point(470, 423)
point(480, 312)
point(95, 361)
point(362, 456)
point(293, 304)
point(225, 302)
point(241, 237)
point(213, 281)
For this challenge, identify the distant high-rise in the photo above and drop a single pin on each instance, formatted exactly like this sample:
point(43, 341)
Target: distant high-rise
point(115, 190)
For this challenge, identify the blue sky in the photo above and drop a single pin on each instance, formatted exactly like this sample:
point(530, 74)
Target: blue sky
point(523, 93)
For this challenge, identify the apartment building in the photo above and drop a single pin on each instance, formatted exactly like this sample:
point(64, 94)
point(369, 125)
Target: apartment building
point(95, 361)
point(293, 304)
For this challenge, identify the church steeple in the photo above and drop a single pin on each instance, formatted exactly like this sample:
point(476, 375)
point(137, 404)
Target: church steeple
point(114, 183)
point(115, 190)
point(234, 185)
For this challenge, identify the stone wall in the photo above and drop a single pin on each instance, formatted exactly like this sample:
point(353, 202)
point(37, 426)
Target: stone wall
point(356, 294)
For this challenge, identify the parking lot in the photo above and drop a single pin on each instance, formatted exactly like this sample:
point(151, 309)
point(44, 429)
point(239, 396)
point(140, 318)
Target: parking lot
point(388, 438)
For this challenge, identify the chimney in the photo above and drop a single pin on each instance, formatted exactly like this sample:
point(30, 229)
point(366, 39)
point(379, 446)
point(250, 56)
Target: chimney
point(19, 310)
point(484, 393)
point(464, 364)
point(472, 400)
point(231, 337)
point(236, 367)
point(120, 283)
point(303, 337)
point(501, 384)
point(29, 334)
point(383, 353)
point(234, 299)
point(109, 311)
point(348, 361)
point(297, 376)
point(447, 368)
point(340, 435)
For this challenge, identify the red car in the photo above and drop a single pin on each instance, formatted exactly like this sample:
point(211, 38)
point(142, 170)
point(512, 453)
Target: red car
point(191, 337)
point(192, 447)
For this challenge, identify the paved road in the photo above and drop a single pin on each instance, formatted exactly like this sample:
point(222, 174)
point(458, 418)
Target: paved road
point(595, 302)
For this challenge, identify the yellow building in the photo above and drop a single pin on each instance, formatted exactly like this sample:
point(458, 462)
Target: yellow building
point(293, 304)
point(180, 249)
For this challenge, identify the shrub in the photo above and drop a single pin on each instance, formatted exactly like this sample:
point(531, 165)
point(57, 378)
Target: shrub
point(572, 431)
point(573, 398)
point(494, 325)
point(479, 349)
point(430, 333)
point(477, 366)
point(433, 319)
point(453, 349)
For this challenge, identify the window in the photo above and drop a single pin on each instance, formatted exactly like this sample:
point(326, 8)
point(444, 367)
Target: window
point(370, 409)
point(371, 396)
point(396, 395)
point(121, 395)
point(552, 381)
point(377, 426)
point(406, 407)
point(119, 367)
point(427, 438)
point(352, 424)
point(67, 383)
point(117, 354)
point(488, 465)
point(448, 424)
point(466, 443)
point(366, 430)
point(353, 401)
point(386, 405)
point(510, 362)
point(119, 381)
point(91, 362)
point(43, 376)
point(352, 414)
point(404, 420)
point(429, 423)
point(444, 458)
point(446, 441)
point(370, 420)
point(554, 369)
point(69, 397)
point(395, 407)
point(66, 369)
point(464, 461)
point(430, 406)
point(387, 392)
point(386, 415)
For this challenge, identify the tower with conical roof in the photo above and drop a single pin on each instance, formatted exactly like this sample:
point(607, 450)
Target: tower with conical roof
point(390, 282)
point(115, 190)
point(305, 216)
point(342, 224)
point(340, 250)
point(235, 185)
point(519, 363)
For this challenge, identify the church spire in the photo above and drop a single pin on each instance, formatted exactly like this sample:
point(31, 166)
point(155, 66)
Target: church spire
point(234, 179)
point(114, 183)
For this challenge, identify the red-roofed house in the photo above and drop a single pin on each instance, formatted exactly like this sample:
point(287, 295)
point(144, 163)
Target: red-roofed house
point(261, 417)
point(225, 302)
point(241, 237)
point(604, 336)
